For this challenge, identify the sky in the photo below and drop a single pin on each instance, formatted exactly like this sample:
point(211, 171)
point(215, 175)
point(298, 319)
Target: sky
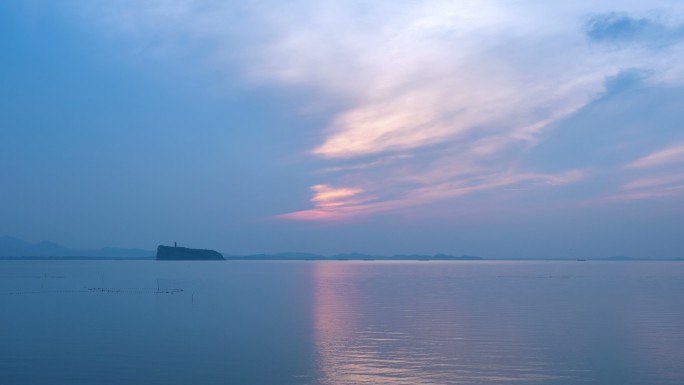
point(492, 128)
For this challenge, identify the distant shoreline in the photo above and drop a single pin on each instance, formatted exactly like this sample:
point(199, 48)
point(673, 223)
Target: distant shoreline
point(368, 259)
point(15, 249)
point(77, 258)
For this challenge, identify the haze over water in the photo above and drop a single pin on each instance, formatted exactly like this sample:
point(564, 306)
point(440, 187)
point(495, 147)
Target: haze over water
point(112, 322)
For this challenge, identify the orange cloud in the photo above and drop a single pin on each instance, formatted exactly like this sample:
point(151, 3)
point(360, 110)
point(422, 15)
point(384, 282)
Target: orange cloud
point(325, 195)
point(330, 203)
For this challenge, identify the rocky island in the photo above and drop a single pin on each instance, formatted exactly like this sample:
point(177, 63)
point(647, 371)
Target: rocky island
point(174, 253)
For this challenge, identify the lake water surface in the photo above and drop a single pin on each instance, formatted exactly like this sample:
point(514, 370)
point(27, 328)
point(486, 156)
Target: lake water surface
point(341, 323)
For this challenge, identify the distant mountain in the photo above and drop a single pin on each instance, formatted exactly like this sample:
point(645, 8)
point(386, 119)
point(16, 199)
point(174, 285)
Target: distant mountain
point(17, 248)
point(11, 247)
point(348, 257)
point(402, 257)
point(615, 258)
point(275, 257)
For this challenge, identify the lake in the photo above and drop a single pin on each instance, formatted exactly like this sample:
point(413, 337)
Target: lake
point(341, 323)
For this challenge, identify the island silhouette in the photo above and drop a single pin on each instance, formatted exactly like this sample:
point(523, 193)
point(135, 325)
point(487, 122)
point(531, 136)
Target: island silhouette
point(175, 253)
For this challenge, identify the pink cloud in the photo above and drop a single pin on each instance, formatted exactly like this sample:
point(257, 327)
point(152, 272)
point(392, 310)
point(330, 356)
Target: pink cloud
point(668, 155)
point(330, 203)
point(645, 183)
point(341, 203)
point(645, 194)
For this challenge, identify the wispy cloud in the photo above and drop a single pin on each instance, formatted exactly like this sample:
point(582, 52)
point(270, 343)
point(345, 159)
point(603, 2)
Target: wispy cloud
point(674, 154)
point(343, 203)
point(651, 182)
point(326, 196)
point(435, 99)
point(329, 201)
point(648, 187)
point(654, 193)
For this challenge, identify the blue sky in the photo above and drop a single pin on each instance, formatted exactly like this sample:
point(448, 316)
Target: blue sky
point(537, 129)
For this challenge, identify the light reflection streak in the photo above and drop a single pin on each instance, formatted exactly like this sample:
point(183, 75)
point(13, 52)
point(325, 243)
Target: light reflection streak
point(351, 352)
point(371, 329)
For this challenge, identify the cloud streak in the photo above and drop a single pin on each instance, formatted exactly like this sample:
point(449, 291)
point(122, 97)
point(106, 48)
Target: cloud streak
point(674, 154)
point(333, 204)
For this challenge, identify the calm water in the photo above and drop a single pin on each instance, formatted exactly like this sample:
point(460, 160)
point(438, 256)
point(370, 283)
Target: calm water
point(146, 322)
